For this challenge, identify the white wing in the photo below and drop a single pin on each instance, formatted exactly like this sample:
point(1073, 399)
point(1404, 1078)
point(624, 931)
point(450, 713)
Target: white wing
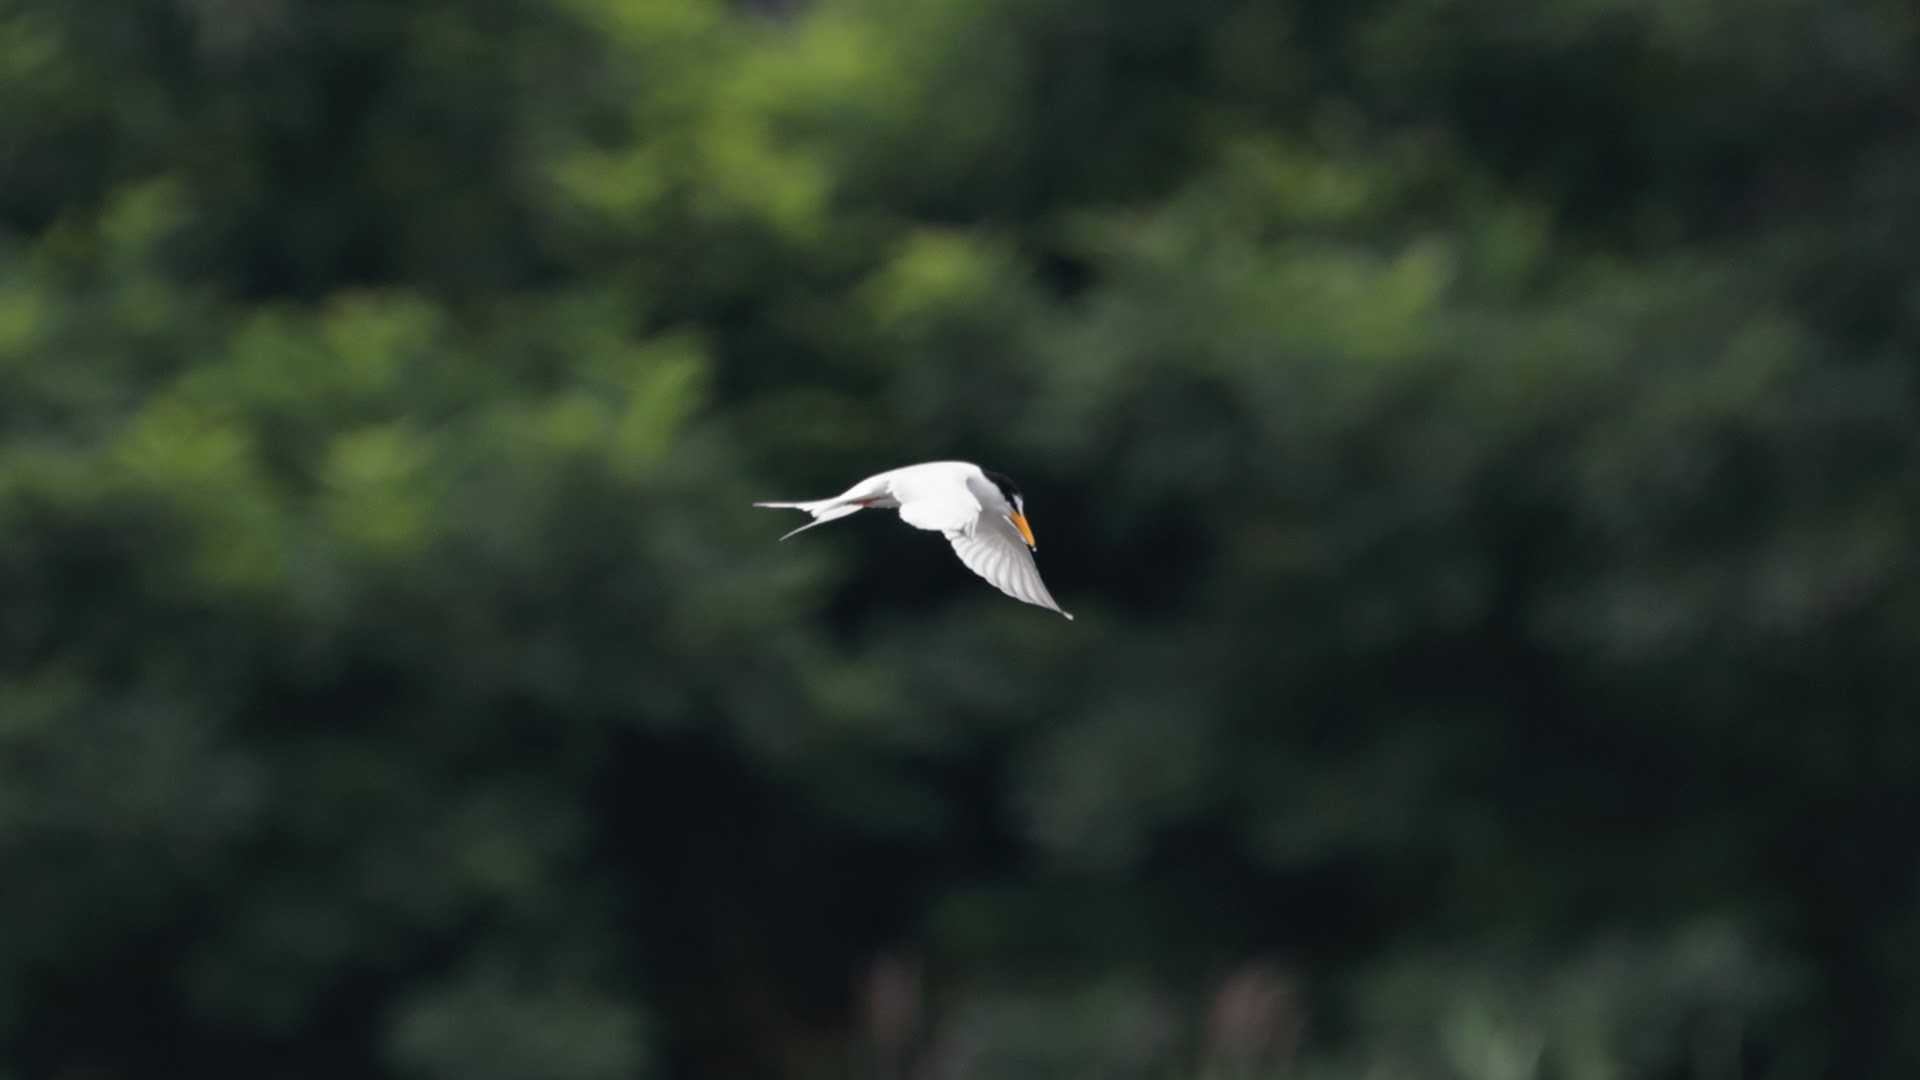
point(997, 553)
point(940, 496)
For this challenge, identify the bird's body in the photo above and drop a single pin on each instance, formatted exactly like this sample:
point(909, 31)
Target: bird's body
point(981, 514)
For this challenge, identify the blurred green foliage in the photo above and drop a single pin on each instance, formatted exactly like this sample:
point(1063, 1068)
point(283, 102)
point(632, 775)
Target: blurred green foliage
point(1479, 440)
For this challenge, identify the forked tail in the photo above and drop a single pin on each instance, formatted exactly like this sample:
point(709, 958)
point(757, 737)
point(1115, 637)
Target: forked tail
point(823, 511)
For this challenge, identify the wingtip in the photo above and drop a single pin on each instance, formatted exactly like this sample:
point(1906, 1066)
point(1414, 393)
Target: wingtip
point(1068, 614)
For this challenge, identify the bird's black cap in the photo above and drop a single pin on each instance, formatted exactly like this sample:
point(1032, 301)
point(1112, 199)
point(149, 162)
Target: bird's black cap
point(1004, 483)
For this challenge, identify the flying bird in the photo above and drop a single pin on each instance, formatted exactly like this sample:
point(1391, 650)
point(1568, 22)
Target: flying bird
point(981, 513)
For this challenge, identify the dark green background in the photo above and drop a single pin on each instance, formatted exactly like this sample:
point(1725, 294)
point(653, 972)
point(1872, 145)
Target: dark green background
point(1478, 440)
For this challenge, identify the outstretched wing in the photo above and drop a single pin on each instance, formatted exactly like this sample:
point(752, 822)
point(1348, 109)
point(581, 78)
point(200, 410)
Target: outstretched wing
point(997, 553)
point(938, 497)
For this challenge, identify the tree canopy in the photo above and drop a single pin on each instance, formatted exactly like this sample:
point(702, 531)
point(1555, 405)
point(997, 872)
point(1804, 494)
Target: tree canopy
point(1480, 442)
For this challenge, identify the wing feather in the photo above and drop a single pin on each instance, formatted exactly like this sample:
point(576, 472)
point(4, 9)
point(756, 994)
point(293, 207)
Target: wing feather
point(996, 553)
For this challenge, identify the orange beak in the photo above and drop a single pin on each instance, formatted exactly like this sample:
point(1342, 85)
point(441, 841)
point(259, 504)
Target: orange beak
point(1026, 532)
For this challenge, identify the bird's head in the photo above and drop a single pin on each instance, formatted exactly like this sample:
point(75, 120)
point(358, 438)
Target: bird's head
point(1016, 515)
